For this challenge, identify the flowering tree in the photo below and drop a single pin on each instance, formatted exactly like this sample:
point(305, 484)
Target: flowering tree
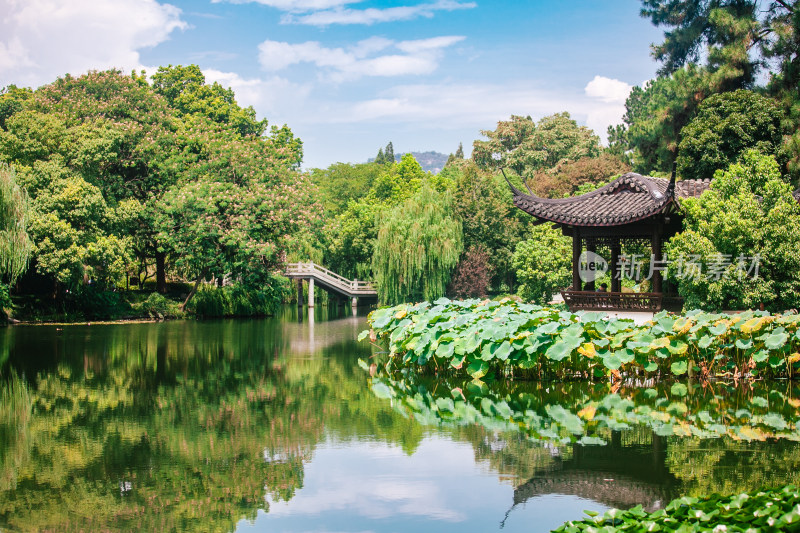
point(216, 228)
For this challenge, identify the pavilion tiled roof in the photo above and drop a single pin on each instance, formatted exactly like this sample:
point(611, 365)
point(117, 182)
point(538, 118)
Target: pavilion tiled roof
point(629, 198)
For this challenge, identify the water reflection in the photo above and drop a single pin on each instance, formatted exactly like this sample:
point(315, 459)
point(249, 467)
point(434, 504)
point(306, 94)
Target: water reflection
point(271, 425)
point(590, 413)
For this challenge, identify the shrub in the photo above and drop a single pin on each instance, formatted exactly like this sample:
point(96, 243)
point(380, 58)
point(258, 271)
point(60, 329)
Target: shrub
point(543, 263)
point(158, 306)
point(238, 300)
point(473, 274)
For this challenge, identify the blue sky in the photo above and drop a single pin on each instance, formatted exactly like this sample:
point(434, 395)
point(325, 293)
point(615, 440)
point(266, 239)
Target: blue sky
point(348, 76)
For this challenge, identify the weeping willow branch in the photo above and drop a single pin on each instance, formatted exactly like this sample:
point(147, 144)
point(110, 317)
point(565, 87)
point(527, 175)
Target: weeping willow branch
point(15, 244)
point(419, 243)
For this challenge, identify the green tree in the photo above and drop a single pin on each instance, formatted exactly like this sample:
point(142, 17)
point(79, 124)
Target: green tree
point(72, 228)
point(654, 117)
point(722, 31)
point(418, 246)
point(120, 137)
point(543, 263)
point(13, 99)
point(749, 212)
point(186, 90)
point(526, 146)
point(733, 43)
point(31, 136)
point(726, 125)
point(399, 181)
point(482, 201)
point(388, 153)
point(458, 156)
point(352, 236)
point(737, 38)
point(341, 183)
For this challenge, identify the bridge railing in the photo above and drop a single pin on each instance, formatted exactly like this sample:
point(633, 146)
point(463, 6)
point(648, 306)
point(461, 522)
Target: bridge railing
point(298, 269)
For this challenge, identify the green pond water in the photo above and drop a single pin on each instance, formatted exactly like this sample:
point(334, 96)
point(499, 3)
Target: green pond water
point(274, 425)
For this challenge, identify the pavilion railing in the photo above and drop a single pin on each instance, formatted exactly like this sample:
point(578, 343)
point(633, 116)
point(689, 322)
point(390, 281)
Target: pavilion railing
point(612, 301)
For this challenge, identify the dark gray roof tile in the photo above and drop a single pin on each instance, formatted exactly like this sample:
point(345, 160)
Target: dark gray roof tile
point(629, 198)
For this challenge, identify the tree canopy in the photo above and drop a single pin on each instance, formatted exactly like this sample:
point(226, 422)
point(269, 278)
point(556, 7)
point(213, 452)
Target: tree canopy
point(526, 146)
point(748, 218)
point(126, 177)
point(726, 125)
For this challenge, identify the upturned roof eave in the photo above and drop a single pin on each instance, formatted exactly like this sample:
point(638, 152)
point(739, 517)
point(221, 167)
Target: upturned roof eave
point(566, 211)
point(589, 224)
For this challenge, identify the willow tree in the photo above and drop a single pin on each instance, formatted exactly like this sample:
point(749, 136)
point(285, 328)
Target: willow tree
point(15, 245)
point(419, 243)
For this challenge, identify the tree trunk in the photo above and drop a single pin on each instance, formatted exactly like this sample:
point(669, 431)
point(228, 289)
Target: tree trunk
point(193, 291)
point(161, 274)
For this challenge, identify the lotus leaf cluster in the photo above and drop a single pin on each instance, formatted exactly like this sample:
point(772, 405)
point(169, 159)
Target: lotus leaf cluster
point(760, 510)
point(507, 338)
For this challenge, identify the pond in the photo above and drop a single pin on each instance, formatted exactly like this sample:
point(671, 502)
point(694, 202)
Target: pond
point(273, 425)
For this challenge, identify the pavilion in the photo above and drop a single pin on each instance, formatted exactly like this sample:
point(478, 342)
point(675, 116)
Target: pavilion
point(634, 210)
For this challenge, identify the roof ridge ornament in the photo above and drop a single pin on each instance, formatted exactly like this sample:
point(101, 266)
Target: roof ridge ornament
point(671, 186)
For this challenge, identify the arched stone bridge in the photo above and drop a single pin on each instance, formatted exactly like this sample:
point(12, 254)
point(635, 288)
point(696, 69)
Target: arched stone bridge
point(330, 281)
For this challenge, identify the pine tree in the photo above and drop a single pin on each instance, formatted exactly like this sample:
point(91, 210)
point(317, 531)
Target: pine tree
point(380, 158)
point(460, 151)
point(389, 153)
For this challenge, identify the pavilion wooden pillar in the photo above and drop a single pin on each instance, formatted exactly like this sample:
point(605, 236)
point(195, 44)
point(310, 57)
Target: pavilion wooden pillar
point(576, 259)
point(656, 245)
point(590, 247)
point(616, 279)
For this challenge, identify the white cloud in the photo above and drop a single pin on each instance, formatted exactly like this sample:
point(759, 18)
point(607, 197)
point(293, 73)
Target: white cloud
point(43, 39)
point(458, 104)
point(342, 15)
point(609, 95)
point(420, 57)
point(608, 90)
point(294, 6)
point(327, 12)
point(427, 45)
point(274, 98)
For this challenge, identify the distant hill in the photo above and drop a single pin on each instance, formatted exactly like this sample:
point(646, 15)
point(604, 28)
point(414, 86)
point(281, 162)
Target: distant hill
point(429, 161)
